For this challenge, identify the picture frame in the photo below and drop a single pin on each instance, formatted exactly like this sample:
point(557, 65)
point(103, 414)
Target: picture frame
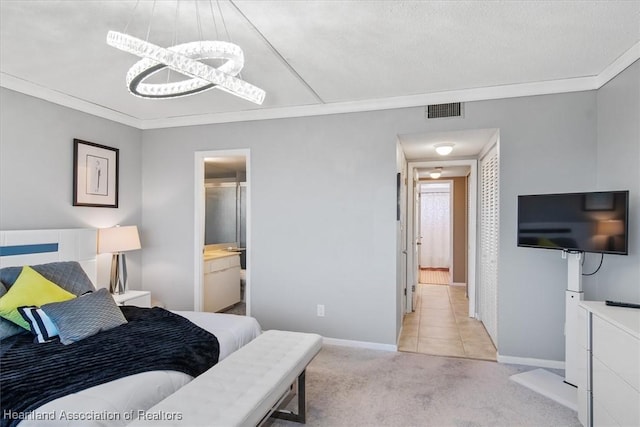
point(95, 174)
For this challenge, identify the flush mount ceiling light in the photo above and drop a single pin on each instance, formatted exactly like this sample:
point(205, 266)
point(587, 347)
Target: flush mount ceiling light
point(444, 148)
point(436, 173)
point(186, 60)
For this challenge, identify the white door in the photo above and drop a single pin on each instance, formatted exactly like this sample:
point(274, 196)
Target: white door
point(489, 232)
point(401, 237)
point(417, 239)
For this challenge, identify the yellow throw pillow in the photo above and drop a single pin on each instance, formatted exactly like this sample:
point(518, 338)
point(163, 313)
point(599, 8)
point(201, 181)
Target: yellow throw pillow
point(29, 289)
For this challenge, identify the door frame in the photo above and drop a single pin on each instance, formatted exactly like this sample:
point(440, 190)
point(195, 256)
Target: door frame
point(450, 184)
point(199, 221)
point(412, 266)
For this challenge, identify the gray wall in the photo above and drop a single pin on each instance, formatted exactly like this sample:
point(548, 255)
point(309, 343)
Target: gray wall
point(323, 214)
point(36, 171)
point(322, 219)
point(323, 207)
point(618, 167)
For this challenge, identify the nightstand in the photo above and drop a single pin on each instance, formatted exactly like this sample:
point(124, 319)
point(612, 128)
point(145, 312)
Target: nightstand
point(137, 298)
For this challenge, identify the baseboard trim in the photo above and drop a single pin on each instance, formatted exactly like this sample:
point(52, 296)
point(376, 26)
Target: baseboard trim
point(527, 361)
point(359, 344)
point(458, 284)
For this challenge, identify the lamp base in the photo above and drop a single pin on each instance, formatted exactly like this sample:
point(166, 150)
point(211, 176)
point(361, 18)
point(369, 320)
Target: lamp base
point(118, 280)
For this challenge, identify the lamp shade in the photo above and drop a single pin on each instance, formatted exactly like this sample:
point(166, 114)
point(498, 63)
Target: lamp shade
point(118, 239)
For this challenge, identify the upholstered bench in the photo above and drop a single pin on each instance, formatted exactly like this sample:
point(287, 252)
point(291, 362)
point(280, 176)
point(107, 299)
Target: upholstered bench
point(245, 388)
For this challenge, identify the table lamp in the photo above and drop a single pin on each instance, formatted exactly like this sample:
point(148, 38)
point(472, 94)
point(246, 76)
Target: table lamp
point(117, 240)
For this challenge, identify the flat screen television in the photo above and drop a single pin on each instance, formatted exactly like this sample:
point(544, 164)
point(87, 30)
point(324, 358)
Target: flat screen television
point(587, 222)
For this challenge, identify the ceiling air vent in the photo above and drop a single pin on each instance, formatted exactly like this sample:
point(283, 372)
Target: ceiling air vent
point(438, 111)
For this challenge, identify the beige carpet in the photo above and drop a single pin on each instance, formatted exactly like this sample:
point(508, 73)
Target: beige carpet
point(359, 387)
point(434, 277)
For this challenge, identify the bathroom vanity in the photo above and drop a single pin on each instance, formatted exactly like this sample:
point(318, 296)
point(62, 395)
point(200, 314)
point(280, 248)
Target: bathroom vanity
point(221, 284)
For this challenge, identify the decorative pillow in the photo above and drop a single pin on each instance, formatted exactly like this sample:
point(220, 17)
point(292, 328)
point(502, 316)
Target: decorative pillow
point(69, 275)
point(31, 288)
point(41, 326)
point(7, 328)
point(84, 316)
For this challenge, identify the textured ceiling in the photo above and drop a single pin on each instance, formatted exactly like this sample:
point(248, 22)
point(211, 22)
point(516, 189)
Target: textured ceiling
point(467, 143)
point(313, 56)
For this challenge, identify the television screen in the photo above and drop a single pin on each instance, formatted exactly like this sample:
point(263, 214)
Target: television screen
point(588, 222)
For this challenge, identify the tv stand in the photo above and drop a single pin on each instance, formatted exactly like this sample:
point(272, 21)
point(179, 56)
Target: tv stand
point(573, 296)
point(563, 390)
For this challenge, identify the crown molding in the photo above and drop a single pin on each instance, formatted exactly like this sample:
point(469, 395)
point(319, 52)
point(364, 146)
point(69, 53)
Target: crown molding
point(466, 95)
point(14, 83)
point(619, 65)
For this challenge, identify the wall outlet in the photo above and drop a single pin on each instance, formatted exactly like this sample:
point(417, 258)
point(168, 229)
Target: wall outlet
point(320, 310)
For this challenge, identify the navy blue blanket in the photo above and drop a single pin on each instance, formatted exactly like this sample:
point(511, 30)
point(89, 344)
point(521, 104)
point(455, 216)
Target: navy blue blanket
point(153, 339)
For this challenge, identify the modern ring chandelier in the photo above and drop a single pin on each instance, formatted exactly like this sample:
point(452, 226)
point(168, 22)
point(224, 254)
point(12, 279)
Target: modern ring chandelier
point(185, 59)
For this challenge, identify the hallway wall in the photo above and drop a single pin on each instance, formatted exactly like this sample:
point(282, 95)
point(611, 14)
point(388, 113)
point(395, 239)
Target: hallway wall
point(460, 230)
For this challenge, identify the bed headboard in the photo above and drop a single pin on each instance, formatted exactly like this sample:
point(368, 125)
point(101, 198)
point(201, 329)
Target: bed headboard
point(30, 247)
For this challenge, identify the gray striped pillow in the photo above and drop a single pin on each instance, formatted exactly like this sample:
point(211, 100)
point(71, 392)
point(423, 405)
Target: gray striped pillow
point(84, 316)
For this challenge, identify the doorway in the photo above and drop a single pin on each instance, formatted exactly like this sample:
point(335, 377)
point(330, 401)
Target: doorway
point(469, 222)
point(222, 231)
point(442, 322)
point(436, 232)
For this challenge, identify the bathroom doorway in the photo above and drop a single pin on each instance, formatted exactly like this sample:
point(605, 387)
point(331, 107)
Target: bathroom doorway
point(222, 231)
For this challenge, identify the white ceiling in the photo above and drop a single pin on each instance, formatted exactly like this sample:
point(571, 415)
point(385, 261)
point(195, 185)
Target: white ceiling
point(447, 172)
point(319, 57)
point(467, 143)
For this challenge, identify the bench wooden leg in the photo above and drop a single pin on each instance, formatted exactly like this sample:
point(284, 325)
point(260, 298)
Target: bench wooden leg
point(301, 416)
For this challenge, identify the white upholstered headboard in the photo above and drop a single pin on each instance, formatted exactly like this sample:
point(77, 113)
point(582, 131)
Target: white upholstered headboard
point(30, 247)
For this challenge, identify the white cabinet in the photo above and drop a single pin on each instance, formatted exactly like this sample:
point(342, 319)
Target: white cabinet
point(609, 365)
point(221, 282)
point(137, 298)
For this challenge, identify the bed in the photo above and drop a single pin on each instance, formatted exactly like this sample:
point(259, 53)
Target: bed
point(113, 402)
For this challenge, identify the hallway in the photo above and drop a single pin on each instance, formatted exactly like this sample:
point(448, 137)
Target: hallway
point(440, 326)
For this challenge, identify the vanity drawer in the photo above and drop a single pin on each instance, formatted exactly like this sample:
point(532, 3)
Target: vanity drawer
point(223, 263)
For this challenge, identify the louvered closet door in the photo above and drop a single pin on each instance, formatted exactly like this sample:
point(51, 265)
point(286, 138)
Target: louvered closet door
point(489, 228)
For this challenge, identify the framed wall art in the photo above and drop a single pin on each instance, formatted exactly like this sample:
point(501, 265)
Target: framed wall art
point(95, 175)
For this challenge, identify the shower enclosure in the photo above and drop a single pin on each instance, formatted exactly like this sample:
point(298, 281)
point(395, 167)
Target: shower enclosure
point(225, 214)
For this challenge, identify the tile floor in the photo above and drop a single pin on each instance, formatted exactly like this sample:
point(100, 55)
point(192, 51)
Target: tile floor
point(440, 326)
point(436, 277)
